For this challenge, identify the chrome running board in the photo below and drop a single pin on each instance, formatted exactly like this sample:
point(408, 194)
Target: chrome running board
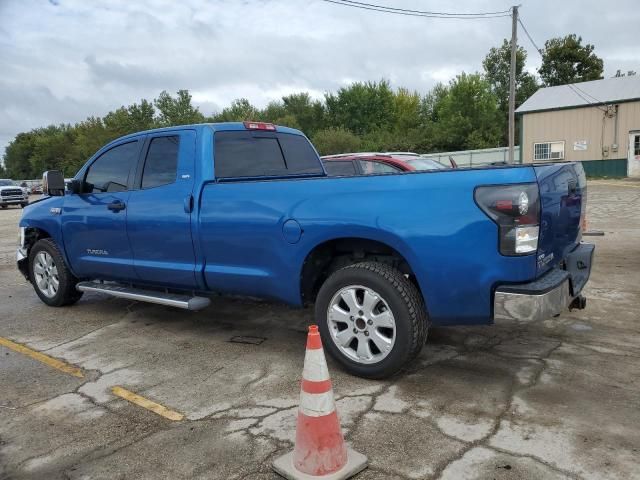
point(186, 302)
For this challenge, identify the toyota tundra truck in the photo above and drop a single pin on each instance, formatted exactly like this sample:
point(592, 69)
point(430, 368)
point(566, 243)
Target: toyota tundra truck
point(173, 215)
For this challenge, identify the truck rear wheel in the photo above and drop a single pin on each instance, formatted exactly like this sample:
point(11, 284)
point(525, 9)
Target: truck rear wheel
point(372, 319)
point(49, 275)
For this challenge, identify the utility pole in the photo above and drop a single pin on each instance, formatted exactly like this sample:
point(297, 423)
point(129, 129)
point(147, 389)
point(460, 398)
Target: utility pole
point(512, 82)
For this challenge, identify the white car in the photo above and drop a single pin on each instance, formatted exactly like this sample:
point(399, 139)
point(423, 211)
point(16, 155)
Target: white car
point(12, 194)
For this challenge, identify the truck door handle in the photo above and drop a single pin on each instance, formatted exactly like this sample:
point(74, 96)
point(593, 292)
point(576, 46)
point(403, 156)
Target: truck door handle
point(188, 204)
point(116, 206)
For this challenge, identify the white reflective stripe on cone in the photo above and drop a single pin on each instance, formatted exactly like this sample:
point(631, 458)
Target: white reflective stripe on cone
point(317, 404)
point(315, 366)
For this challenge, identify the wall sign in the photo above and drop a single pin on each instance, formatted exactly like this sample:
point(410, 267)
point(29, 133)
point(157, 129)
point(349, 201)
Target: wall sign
point(580, 145)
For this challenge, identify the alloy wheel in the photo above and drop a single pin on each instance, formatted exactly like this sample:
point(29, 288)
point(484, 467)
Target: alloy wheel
point(361, 324)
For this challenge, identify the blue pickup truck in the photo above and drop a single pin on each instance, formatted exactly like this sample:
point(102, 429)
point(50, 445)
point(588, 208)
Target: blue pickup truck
point(172, 215)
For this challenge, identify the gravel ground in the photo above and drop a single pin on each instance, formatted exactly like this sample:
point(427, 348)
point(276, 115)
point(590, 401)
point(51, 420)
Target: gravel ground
point(556, 399)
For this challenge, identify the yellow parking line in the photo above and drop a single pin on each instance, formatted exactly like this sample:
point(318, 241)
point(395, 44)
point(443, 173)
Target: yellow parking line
point(41, 357)
point(146, 403)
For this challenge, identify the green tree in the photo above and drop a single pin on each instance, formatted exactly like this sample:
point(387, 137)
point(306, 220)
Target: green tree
point(273, 112)
point(309, 114)
point(52, 145)
point(178, 110)
point(334, 140)
point(497, 67)
point(134, 118)
point(361, 107)
point(566, 60)
point(430, 102)
point(239, 111)
point(468, 116)
point(17, 156)
point(90, 135)
point(406, 110)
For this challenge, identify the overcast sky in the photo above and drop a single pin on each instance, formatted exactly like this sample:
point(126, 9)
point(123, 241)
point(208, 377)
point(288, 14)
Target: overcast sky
point(64, 60)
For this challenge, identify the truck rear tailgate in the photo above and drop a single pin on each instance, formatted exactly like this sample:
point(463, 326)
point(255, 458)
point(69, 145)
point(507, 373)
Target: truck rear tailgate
point(563, 196)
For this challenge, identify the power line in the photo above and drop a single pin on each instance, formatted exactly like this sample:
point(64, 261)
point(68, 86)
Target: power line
point(574, 88)
point(588, 94)
point(424, 11)
point(418, 13)
point(539, 50)
point(577, 91)
point(529, 36)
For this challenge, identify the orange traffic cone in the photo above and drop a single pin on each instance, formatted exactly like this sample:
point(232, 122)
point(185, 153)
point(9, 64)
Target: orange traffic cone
point(320, 451)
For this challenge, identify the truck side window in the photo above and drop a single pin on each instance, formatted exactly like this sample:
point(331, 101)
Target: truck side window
point(248, 154)
point(110, 172)
point(299, 154)
point(161, 164)
point(240, 154)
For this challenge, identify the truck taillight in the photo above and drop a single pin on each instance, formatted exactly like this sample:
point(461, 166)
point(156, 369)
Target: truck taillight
point(516, 211)
point(259, 126)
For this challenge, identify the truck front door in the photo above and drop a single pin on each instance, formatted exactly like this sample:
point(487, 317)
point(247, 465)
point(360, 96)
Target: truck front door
point(94, 222)
point(159, 210)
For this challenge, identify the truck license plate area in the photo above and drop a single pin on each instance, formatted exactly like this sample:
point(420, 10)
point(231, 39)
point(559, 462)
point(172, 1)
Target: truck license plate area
point(578, 264)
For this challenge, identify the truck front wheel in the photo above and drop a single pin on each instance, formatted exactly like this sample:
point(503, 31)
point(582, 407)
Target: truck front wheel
point(372, 319)
point(49, 275)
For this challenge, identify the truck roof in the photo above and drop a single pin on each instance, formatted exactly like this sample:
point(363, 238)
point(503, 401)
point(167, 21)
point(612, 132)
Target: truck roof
point(216, 127)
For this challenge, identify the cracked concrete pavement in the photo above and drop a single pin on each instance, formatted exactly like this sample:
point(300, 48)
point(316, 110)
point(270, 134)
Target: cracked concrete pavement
point(550, 400)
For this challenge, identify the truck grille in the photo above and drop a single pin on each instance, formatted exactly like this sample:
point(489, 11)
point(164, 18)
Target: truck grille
point(11, 193)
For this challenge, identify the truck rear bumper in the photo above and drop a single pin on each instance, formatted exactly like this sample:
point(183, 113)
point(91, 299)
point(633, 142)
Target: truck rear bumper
point(548, 295)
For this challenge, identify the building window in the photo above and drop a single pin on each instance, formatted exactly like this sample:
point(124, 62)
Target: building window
point(636, 145)
point(548, 151)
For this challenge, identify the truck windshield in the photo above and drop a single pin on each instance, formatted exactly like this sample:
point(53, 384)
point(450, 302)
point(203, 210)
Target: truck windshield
point(6, 183)
point(240, 154)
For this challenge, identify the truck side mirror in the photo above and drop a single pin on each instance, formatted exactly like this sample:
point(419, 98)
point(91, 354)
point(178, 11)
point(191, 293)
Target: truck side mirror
point(75, 186)
point(53, 183)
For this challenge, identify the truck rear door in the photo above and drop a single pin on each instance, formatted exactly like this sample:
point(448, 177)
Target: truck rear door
point(247, 234)
point(563, 189)
point(159, 210)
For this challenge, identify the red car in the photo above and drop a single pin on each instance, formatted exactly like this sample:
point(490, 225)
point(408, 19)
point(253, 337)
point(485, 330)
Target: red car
point(349, 164)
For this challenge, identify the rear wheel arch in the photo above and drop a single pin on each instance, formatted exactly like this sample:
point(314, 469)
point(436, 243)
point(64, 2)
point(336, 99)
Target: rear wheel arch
point(331, 255)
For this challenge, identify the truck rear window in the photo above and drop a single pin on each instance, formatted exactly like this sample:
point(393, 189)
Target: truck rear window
point(261, 154)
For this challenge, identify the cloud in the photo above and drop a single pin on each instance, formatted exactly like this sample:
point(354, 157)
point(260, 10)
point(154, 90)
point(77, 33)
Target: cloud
point(65, 60)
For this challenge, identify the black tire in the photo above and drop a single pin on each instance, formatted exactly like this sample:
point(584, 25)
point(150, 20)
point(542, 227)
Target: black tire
point(406, 305)
point(66, 293)
point(4, 206)
point(22, 205)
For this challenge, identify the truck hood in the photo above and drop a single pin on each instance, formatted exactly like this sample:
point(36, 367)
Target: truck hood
point(563, 196)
